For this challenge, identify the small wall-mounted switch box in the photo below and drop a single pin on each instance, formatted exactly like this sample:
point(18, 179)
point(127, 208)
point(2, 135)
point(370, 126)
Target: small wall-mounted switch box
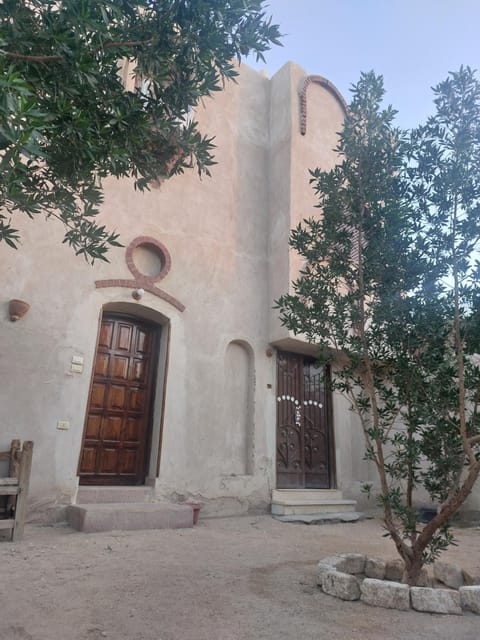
point(63, 425)
point(77, 364)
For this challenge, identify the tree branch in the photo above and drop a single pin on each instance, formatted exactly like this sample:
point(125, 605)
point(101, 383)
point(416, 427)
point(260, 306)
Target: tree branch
point(58, 58)
point(127, 43)
point(30, 58)
point(459, 347)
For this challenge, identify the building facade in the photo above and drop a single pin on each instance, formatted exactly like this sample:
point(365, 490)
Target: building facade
point(168, 366)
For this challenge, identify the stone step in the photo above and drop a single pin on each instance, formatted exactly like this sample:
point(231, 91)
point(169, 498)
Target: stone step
point(332, 506)
point(101, 494)
point(323, 518)
point(309, 502)
point(303, 496)
point(131, 516)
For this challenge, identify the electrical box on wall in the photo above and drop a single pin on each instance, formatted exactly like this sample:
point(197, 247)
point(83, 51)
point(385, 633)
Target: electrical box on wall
point(76, 365)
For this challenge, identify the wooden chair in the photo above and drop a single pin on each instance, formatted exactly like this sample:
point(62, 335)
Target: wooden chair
point(14, 488)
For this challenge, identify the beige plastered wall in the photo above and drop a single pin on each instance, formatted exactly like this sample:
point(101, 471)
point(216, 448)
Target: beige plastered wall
point(228, 240)
point(215, 230)
point(292, 199)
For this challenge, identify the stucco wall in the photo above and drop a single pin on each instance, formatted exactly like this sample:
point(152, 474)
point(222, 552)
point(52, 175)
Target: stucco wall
point(215, 231)
point(228, 240)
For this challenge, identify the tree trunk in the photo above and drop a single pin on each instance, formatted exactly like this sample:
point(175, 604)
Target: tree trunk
point(413, 568)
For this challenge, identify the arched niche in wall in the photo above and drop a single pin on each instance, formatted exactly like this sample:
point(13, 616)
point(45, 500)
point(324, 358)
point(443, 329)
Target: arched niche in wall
point(238, 403)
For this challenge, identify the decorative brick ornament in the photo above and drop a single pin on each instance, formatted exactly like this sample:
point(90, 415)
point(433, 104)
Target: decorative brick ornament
point(326, 84)
point(142, 280)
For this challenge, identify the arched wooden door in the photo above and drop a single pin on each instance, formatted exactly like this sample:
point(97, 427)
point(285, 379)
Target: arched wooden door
point(119, 414)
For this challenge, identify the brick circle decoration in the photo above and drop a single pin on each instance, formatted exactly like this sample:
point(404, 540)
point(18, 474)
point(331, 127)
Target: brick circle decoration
point(157, 249)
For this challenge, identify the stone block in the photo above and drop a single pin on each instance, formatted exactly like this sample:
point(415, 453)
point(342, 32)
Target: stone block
point(352, 562)
point(470, 598)
point(341, 585)
point(450, 574)
point(394, 570)
point(435, 600)
point(91, 518)
point(470, 579)
point(375, 568)
point(328, 564)
point(381, 593)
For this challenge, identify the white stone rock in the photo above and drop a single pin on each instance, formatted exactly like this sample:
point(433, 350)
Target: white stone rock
point(381, 593)
point(470, 598)
point(435, 600)
point(394, 570)
point(341, 585)
point(449, 574)
point(470, 579)
point(352, 562)
point(328, 564)
point(375, 568)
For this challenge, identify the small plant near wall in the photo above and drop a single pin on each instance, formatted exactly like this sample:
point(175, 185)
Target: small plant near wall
point(390, 293)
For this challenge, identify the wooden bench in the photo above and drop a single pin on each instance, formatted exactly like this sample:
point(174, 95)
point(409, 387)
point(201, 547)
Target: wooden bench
point(14, 487)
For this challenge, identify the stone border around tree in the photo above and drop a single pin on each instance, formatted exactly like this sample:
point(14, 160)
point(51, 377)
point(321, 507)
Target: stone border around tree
point(354, 576)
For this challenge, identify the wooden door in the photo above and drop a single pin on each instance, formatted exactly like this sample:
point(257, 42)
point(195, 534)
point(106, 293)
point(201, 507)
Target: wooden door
point(304, 432)
point(118, 421)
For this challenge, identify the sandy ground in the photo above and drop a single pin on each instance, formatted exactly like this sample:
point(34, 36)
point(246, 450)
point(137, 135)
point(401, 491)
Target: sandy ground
point(243, 578)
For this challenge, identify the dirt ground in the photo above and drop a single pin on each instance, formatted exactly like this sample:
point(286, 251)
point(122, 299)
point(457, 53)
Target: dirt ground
point(242, 578)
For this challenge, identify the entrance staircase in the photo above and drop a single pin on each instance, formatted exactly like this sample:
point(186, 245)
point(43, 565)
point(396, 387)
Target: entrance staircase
point(313, 505)
point(125, 509)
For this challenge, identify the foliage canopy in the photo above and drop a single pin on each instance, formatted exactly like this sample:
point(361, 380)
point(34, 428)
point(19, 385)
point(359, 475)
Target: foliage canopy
point(67, 120)
point(390, 292)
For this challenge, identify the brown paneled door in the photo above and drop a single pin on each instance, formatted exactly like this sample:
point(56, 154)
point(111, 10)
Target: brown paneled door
point(117, 429)
point(304, 431)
